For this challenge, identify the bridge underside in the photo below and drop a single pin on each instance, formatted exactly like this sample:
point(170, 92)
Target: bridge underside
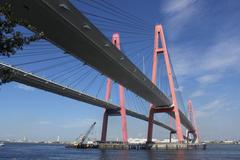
point(64, 26)
point(8, 74)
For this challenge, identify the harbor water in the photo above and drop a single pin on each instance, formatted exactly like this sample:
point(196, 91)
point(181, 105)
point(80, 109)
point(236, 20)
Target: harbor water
point(55, 152)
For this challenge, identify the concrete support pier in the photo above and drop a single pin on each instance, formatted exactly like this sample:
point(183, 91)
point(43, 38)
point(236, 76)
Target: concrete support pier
point(175, 146)
point(153, 146)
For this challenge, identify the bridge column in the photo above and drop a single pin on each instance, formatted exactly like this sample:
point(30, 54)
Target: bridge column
point(191, 117)
point(154, 78)
point(116, 42)
point(104, 127)
point(170, 136)
point(159, 36)
point(152, 111)
point(172, 87)
point(123, 114)
point(105, 116)
point(150, 125)
point(188, 137)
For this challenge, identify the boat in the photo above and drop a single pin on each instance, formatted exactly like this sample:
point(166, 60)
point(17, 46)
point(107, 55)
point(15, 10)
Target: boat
point(81, 141)
point(2, 144)
point(83, 146)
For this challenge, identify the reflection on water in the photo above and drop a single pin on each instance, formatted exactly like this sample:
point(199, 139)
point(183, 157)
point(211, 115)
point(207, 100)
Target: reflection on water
point(40, 151)
point(114, 154)
point(179, 155)
point(151, 154)
point(171, 154)
point(142, 154)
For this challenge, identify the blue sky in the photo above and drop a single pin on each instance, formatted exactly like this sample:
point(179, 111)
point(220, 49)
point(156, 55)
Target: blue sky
point(203, 42)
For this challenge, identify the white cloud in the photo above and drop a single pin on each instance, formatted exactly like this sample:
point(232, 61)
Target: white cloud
point(184, 61)
point(210, 63)
point(211, 108)
point(224, 53)
point(192, 59)
point(24, 87)
point(174, 6)
point(209, 78)
point(180, 89)
point(216, 104)
point(197, 93)
point(180, 12)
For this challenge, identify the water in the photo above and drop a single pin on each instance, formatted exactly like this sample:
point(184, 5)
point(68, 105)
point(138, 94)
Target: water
point(56, 152)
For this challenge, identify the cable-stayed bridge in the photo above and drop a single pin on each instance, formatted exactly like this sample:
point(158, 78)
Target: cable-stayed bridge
point(85, 46)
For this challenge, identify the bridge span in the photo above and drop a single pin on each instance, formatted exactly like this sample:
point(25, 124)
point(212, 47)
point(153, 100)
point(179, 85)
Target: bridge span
point(9, 73)
point(66, 27)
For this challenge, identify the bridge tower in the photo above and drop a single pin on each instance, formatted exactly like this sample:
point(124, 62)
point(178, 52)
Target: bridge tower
point(192, 117)
point(116, 42)
point(162, 49)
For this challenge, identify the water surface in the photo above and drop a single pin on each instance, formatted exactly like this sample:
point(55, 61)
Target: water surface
point(55, 152)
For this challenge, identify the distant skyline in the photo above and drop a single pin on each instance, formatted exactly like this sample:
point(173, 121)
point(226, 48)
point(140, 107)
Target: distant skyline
point(203, 40)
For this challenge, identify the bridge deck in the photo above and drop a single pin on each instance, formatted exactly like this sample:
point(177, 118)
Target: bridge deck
point(8, 73)
point(67, 28)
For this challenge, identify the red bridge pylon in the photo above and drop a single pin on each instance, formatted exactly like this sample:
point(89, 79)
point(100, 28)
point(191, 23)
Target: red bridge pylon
point(192, 117)
point(162, 49)
point(116, 42)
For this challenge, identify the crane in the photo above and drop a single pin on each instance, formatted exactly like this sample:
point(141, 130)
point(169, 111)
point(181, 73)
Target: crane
point(82, 141)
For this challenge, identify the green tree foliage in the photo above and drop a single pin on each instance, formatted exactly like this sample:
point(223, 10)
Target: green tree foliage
point(10, 39)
